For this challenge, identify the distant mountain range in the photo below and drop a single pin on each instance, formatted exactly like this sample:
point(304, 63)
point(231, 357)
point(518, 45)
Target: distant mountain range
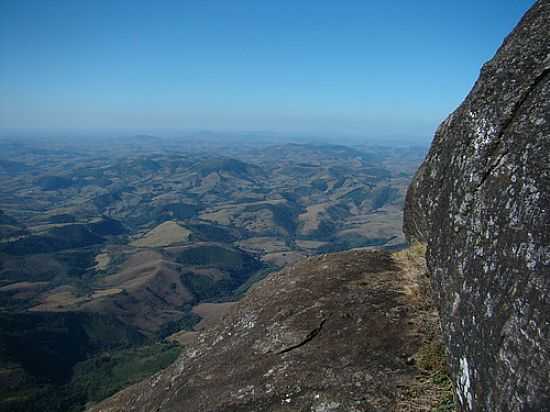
point(138, 236)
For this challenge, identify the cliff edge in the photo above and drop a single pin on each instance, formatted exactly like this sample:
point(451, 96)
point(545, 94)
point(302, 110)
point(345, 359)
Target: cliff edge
point(336, 333)
point(481, 202)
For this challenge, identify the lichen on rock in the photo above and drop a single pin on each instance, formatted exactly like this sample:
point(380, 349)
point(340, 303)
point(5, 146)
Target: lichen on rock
point(481, 202)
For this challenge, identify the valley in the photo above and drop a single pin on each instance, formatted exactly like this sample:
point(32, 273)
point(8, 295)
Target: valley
point(139, 234)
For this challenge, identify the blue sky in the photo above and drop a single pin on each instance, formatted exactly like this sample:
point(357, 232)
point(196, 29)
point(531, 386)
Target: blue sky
point(362, 68)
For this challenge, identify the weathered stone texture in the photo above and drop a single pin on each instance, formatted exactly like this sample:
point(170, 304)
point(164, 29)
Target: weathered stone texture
point(481, 201)
point(334, 333)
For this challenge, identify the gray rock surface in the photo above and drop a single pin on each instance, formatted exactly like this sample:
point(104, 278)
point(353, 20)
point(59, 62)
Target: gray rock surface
point(481, 201)
point(335, 333)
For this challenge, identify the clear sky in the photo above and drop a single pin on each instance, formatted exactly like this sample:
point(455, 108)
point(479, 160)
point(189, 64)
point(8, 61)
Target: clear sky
point(350, 67)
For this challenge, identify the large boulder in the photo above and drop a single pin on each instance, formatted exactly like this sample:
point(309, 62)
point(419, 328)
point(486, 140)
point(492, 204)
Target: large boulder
point(481, 201)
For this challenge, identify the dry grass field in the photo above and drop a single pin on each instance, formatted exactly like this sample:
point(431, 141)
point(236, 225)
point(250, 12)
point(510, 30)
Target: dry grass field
point(59, 299)
point(210, 313)
point(102, 261)
point(165, 234)
point(264, 245)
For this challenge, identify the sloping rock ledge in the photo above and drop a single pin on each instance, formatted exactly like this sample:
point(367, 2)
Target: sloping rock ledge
point(334, 333)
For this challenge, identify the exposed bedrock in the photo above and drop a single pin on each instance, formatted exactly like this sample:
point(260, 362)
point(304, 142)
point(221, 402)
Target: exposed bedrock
point(481, 202)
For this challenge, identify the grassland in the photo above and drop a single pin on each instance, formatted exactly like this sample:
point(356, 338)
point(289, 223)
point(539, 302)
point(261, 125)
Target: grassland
point(165, 234)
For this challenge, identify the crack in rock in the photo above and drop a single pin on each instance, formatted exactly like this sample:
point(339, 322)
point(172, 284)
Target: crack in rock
point(310, 336)
point(508, 123)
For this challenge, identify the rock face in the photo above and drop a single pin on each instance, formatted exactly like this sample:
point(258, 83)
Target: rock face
point(481, 201)
point(334, 333)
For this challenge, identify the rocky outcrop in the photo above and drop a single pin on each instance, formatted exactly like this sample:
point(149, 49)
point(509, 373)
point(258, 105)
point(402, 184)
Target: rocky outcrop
point(333, 333)
point(481, 201)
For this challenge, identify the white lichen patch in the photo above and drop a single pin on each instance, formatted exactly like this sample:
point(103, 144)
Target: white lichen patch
point(247, 321)
point(483, 131)
point(456, 304)
point(218, 339)
point(464, 385)
point(326, 406)
point(246, 392)
point(155, 380)
point(489, 306)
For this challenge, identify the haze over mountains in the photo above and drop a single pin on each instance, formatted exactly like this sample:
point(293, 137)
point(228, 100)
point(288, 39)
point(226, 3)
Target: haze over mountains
point(467, 328)
point(227, 207)
point(134, 234)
